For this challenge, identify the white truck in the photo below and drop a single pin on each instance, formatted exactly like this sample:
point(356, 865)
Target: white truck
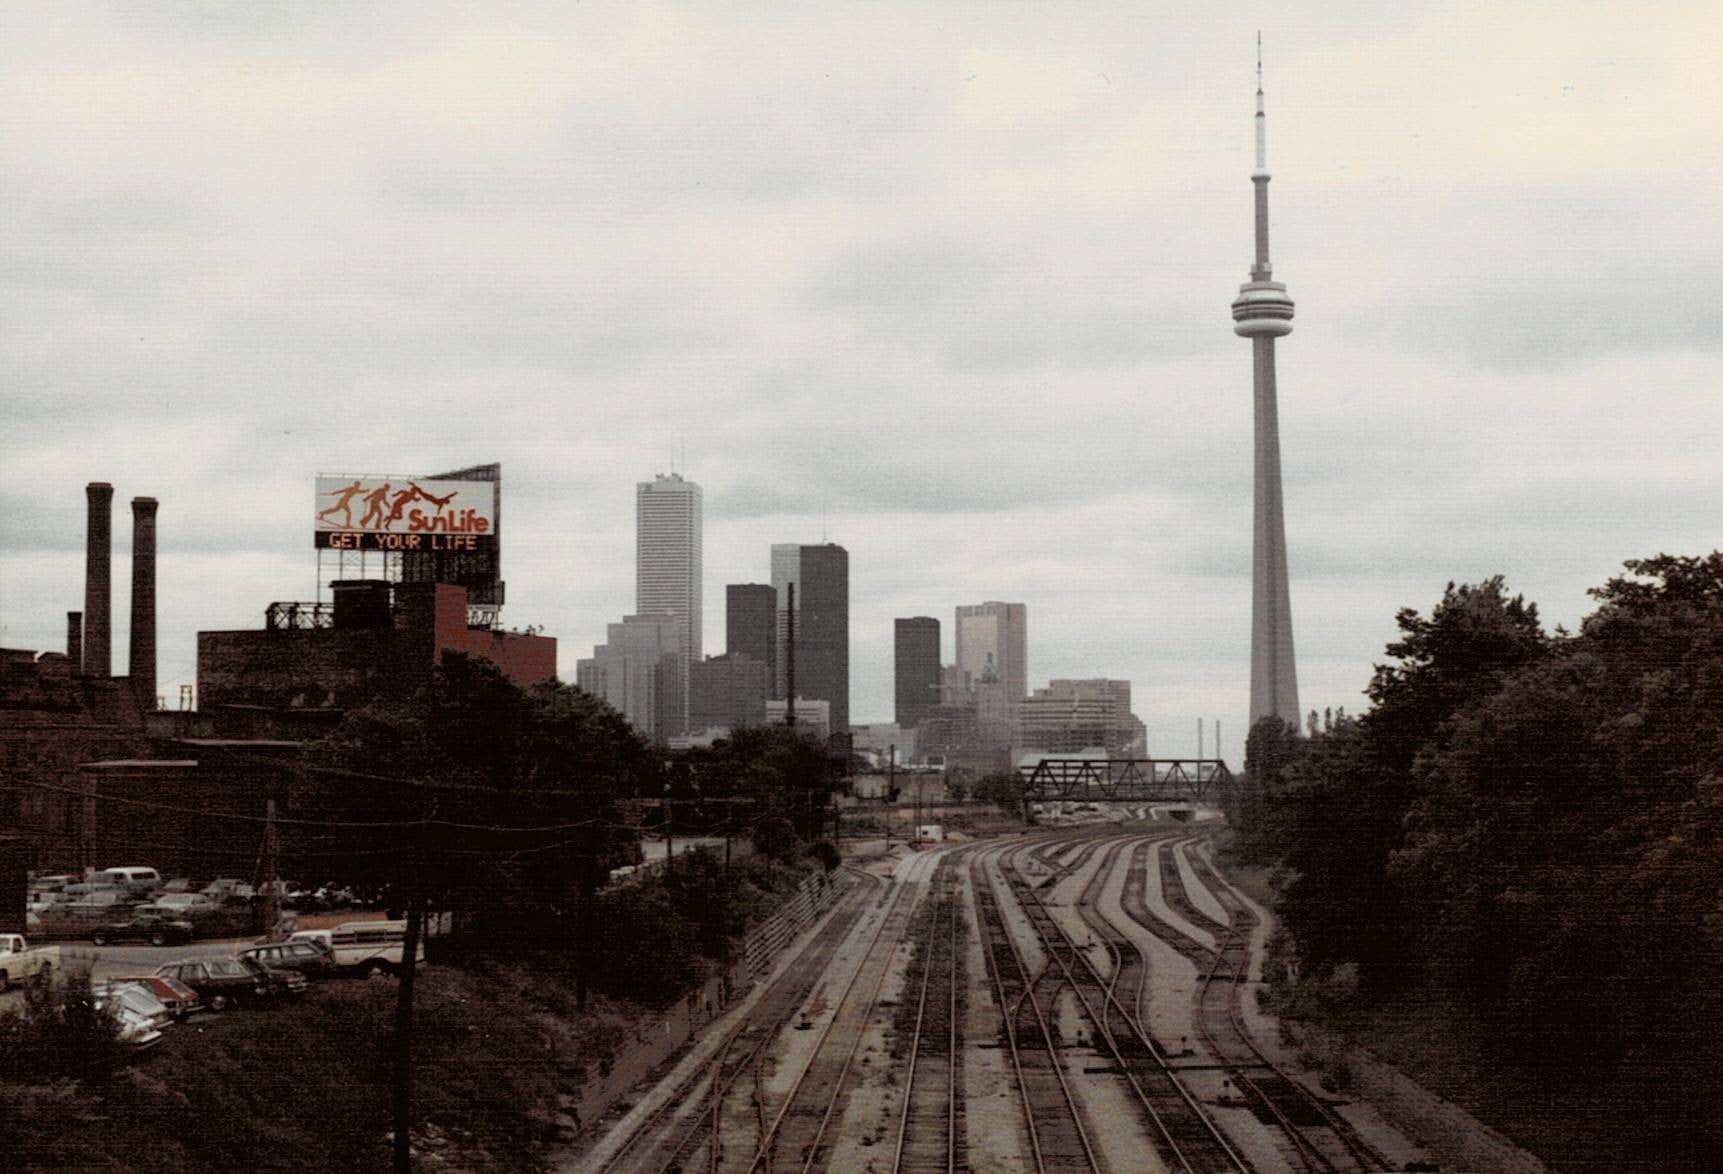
point(20, 963)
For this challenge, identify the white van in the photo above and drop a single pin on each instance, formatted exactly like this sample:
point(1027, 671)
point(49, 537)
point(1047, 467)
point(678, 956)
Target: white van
point(371, 945)
point(133, 878)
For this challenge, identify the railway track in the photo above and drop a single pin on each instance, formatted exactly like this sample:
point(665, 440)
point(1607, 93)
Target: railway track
point(1320, 1138)
point(798, 1136)
point(930, 1125)
point(1187, 1139)
point(1128, 982)
point(1058, 1139)
point(658, 1145)
point(1134, 901)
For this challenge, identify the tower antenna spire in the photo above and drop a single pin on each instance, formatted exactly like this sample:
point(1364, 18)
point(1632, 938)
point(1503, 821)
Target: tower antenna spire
point(1262, 312)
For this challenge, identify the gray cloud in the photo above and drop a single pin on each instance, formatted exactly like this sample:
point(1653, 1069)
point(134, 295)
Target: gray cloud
point(948, 288)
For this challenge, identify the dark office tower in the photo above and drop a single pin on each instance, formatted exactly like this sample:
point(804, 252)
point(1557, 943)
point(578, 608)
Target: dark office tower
point(751, 626)
point(821, 575)
point(916, 650)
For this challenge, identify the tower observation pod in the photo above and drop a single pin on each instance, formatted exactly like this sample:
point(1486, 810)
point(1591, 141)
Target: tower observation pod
point(1262, 312)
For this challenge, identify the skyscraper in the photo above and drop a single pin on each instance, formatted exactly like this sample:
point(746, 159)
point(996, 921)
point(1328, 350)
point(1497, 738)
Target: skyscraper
point(916, 667)
point(821, 575)
point(667, 542)
point(642, 671)
point(1262, 312)
point(751, 626)
point(993, 641)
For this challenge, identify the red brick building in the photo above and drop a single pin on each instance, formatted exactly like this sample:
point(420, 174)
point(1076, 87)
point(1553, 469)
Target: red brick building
point(339, 655)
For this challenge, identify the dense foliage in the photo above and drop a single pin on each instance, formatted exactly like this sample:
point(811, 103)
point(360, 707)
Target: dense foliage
point(56, 1032)
point(512, 807)
point(306, 1087)
point(1530, 825)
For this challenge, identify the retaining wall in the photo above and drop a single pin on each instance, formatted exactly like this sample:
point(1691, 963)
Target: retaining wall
point(655, 1043)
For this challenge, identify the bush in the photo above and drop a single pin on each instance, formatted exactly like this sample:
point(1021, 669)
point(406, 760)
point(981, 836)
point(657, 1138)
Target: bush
point(59, 1034)
point(645, 947)
point(775, 838)
point(827, 854)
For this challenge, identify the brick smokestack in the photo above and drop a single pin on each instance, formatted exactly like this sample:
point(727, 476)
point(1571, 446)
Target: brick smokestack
point(141, 663)
point(98, 581)
point(75, 640)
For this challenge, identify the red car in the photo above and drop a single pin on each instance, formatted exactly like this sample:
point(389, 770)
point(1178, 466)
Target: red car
point(174, 994)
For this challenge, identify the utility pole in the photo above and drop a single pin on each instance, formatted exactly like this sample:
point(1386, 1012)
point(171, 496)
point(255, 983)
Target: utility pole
point(271, 904)
point(402, 1092)
point(918, 812)
point(669, 839)
point(890, 794)
point(790, 662)
point(588, 892)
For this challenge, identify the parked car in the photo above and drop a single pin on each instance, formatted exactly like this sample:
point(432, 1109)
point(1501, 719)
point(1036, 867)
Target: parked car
point(98, 905)
point(19, 962)
point(308, 958)
point(281, 982)
point(319, 937)
point(135, 879)
point(184, 904)
point(139, 997)
point(45, 902)
point(151, 928)
point(52, 883)
point(137, 1029)
point(371, 946)
point(174, 994)
point(220, 982)
point(178, 884)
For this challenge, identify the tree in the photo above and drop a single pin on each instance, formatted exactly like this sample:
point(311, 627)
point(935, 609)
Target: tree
point(1003, 789)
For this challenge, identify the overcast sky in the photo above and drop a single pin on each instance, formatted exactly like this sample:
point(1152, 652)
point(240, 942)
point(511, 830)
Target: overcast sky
point(945, 283)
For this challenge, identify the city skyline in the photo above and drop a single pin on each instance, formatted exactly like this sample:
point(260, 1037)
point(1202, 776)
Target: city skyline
point(947, 292)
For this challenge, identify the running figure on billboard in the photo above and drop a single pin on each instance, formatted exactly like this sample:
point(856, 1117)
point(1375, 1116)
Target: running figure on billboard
point(374, 501)
point(346, 493)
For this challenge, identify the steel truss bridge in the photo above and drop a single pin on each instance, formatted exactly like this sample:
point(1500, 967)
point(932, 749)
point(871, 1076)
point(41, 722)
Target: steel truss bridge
point(1126, 780)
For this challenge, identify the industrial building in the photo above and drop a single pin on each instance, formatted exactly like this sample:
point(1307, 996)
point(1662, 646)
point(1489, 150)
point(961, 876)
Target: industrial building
point(372, 635)
point(95, 771)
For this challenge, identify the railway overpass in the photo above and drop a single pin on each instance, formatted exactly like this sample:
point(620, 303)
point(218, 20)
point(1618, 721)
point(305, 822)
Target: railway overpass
point(1126, 780)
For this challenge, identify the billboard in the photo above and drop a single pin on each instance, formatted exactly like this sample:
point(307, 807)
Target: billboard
point(409, 514)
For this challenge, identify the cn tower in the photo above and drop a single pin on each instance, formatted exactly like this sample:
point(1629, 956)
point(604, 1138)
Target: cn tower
point(1262, 313)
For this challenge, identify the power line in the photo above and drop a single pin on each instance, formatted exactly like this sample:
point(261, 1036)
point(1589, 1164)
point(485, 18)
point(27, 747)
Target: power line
point(314, 823)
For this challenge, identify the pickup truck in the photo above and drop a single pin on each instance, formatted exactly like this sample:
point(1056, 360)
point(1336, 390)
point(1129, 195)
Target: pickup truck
point(20, 963)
